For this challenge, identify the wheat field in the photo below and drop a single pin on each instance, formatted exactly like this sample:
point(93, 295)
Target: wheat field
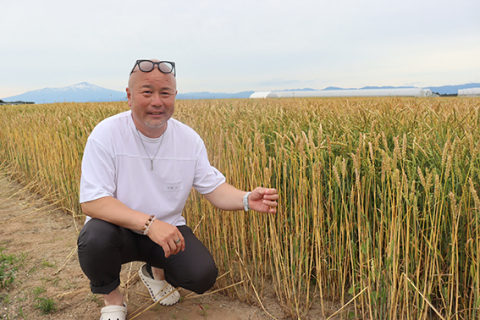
point(378, 207)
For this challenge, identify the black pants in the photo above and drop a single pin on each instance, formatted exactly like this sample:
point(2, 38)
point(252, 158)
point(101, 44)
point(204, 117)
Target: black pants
point(103, 247)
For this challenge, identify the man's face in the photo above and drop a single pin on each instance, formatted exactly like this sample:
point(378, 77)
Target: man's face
point(151, 96)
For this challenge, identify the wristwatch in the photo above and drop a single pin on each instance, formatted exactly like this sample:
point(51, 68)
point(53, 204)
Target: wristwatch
point(245, 201)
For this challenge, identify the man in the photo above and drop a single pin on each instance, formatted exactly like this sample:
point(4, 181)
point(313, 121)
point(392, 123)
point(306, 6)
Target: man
point(137, 171)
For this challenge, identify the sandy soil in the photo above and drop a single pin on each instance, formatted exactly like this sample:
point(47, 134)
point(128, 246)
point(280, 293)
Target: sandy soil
point(43, 240)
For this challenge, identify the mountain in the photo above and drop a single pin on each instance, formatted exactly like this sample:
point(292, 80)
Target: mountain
point(364, 88)
point(385, 87)
point(213, 95)
point(453, 89)
point(338, 88)
point(80, 92)
point(304, 89)
point(86, 92)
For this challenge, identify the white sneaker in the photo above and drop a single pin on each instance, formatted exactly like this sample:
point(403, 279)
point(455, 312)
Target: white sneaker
point(160, 290)
point(114, 312)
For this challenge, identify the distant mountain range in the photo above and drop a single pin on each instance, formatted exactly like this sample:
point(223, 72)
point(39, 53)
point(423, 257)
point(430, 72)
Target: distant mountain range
point(80, 92)
point(86, 92)
point(451, 89)
point(212, 95)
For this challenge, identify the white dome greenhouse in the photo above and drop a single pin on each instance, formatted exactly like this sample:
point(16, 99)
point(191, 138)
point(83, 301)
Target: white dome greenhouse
point(400, 92)
point(468, 92)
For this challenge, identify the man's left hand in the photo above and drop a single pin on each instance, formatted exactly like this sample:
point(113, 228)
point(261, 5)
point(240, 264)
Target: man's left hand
point(263, 200)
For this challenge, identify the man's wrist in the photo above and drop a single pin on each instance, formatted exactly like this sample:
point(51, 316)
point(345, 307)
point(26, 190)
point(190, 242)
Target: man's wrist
point(245, 201)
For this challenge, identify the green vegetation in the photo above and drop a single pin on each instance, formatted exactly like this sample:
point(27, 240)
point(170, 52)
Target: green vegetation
point(38, 290)
point(45, 263)
point(9, 265)
point(46, 305)
point(8, 269)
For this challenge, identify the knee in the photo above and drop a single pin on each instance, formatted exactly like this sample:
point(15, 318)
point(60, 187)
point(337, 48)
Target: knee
point(202, 279)
point(208, 280)
point(97, 236)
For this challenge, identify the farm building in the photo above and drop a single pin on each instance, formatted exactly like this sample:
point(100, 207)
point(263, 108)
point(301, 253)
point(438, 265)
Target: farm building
point(469, 92)
point(400, 92)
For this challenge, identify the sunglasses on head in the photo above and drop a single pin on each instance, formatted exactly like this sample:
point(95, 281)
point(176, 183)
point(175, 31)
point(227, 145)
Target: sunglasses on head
point(148, 65)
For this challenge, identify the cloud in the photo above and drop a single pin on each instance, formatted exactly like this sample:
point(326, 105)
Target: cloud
point(239, 45)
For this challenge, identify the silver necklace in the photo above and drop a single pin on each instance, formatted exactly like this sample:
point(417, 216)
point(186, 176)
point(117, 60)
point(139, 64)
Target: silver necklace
point(159, 145)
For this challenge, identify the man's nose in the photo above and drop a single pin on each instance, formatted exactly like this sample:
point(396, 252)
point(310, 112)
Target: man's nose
point(157, 100)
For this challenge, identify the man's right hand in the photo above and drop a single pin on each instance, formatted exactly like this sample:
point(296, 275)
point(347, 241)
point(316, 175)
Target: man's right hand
point(167, 236)
point(114, 211)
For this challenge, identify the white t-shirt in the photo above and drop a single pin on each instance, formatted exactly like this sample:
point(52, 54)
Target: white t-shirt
point(115, 164)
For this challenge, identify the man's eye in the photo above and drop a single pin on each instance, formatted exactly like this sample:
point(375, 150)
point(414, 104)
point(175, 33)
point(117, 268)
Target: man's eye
point(166, 94)
point(147, 92)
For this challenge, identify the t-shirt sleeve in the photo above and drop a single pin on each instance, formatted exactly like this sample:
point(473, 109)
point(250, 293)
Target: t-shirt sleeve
point(207, 177)
point(98, 172)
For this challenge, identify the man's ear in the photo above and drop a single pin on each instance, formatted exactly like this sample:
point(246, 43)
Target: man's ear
point(129, 96)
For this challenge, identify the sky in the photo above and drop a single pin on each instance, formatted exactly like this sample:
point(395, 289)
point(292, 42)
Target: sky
point(233, 46)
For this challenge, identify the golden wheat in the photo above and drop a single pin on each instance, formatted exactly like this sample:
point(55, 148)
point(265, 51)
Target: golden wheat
point(378, 196)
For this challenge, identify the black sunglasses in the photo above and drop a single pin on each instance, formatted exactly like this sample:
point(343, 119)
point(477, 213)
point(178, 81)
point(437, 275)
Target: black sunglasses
point(148, 65)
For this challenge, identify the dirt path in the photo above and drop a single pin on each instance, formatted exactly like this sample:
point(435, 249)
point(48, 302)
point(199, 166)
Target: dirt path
point(41, 243)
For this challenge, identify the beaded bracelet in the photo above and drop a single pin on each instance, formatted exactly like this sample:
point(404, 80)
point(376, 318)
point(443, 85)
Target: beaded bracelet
point(148, 224)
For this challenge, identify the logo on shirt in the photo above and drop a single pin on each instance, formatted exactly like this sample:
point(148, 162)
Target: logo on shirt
point(173, 186)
